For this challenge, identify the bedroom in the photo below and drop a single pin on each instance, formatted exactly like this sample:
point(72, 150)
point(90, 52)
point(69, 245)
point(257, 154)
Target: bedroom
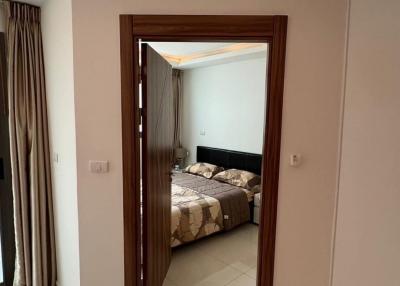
point(333, 97)
point(218, 107)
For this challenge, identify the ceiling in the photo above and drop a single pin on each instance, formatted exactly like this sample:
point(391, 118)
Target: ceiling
point(186, 48)
point(186, 55)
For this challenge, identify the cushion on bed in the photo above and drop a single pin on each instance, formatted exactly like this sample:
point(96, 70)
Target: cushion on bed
point(256, 189)
point(239, 178)
point(203, 169)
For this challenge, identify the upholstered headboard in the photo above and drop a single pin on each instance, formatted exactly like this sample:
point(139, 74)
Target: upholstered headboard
point(230, 159)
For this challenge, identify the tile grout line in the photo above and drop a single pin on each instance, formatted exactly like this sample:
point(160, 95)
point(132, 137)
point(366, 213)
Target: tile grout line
point(208, 253)
point(232, 280)
point(220, 260)
point(239, 277)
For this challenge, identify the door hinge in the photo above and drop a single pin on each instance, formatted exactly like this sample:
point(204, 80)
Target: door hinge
point(141, 112)
point(141, 116)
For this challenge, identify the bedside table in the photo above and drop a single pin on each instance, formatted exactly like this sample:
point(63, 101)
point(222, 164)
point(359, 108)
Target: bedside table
point(256, 209)
point(177, 171)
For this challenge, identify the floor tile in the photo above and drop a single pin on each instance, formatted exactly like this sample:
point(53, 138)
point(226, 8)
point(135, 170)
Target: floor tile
point(220, 278)
point(167, 282)
point(192, 267)
point(232, 249)
point(249, 232)
point(243, 280)
point(252, 273)
point(217, 260)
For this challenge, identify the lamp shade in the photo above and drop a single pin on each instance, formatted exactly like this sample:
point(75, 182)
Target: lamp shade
point(180, 153)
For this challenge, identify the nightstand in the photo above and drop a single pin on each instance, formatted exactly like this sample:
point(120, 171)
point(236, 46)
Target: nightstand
point(256, 209)
point(177, 171)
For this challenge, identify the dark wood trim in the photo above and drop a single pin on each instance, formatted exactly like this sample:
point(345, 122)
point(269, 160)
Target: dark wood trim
point(130, 152)
point(202, 26)
point(270, 29)
point(271, 153)
point(145, 163)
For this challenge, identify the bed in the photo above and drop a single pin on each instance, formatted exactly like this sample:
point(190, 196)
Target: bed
point(202, 206)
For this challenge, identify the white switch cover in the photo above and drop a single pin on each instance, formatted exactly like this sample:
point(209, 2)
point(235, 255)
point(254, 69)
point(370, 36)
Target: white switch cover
point(98, 166)
point(56, 157)
point(295, 160)
point(202, 132)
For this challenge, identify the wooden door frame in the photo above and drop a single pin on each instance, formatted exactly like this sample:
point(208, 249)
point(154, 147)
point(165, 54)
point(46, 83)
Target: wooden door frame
point(267, 29)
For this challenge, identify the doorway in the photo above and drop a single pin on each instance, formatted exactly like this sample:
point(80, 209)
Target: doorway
point(250, 29)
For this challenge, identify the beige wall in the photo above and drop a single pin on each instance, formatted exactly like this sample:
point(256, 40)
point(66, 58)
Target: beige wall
point(58, 56)
point(310, 126)
point(367, 250)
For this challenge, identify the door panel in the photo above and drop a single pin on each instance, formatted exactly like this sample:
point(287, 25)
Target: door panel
point(157, 152)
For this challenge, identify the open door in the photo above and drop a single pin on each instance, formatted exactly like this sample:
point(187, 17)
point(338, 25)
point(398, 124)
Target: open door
point(157, 150)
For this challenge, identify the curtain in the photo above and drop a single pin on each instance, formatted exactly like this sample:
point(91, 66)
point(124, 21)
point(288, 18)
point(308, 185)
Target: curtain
point(3, 78)
point(177, 86)
point(35, 263)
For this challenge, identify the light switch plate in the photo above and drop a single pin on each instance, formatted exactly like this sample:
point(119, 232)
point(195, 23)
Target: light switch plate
point(98, 166)
point(295, 160)
point(56, 157)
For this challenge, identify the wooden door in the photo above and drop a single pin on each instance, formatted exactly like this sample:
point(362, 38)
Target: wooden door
point(157, 150)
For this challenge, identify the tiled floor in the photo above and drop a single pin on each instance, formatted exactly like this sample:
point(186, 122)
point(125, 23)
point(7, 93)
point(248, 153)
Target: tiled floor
point(225, 259)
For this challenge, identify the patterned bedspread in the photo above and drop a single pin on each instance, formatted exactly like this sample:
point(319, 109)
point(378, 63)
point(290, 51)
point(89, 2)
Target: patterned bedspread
point(202, 206)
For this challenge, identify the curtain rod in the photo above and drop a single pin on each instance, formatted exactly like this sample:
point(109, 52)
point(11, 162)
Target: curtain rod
point(9, 1)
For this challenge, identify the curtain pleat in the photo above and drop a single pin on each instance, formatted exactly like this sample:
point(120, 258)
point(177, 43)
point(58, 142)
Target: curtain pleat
point(35, 263)
point(3, 77)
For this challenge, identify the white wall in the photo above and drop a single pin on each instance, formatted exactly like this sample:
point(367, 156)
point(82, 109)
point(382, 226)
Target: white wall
point(58, 53)
point(314, 67)
point(227, 101)
point(367, 248)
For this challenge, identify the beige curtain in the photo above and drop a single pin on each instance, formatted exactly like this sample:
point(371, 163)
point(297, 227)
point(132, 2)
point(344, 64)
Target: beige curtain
point(177, 89)
point(30, 161)
point(3, 78)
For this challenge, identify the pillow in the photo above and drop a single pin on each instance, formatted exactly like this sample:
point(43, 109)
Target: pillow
point(256, 189)
point(239, 178)
point(203, 169)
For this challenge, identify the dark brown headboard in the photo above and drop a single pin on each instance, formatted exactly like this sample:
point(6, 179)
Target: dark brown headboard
point(230, 159)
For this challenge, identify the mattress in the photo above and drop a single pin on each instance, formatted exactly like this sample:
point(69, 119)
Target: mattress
point(201, 207)
point(193, 215)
